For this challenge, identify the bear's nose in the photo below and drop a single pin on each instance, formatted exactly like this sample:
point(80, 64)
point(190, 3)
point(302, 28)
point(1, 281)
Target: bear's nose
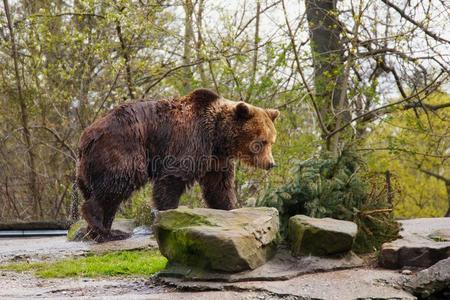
point(271, 165)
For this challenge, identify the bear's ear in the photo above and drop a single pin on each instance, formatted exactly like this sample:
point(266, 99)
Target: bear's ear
point(273, 113)
point(242, 111)
point(203, 96)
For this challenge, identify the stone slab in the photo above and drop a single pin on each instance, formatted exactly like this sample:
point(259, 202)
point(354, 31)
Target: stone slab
point(417, 245)
point(336, 285)
point(282, 267)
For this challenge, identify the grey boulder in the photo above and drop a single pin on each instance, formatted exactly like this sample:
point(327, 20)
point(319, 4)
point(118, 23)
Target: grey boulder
point(224, 241)
point(320, 237)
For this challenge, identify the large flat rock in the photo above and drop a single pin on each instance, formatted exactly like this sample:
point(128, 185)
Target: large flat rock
point(282, 267)
point(422, 243)
point(313, 236)
point(224, 241)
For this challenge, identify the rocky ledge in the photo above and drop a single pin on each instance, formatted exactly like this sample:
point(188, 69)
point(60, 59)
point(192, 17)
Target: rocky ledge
point(423, 243)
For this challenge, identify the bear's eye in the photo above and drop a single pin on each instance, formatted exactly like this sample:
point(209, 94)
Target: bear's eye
point(264, 142)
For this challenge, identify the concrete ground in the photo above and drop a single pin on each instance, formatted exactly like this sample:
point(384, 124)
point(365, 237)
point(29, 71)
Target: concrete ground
point(57, 247)
point(355, 283)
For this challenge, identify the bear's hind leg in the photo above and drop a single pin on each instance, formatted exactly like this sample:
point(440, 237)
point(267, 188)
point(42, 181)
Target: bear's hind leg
point(108, 218)
point(93, 214)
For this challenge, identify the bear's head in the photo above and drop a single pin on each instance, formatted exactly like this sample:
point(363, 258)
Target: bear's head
point(255, 135)
point(251, 128)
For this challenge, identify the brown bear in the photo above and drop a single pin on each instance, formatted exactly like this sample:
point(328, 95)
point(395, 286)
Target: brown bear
point(172, 143)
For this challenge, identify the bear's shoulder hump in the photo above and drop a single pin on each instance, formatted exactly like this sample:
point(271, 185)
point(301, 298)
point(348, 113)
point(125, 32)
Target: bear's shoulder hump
point(203, 96)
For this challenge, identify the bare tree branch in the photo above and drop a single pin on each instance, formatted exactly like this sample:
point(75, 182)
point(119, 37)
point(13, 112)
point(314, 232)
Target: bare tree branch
point(435, 175)
point(384, 109)
point(59, 139)
point(411, 20)
point(426, 106)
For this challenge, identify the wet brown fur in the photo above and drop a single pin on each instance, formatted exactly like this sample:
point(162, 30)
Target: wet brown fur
point(125, 149)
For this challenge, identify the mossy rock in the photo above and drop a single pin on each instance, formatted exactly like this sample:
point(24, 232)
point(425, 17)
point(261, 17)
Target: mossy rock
point(210, 239)
point(320, 237)
point(78, 230)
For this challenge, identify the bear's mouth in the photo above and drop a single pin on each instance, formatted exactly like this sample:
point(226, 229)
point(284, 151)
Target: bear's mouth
point(268, 166)
point(257, 164)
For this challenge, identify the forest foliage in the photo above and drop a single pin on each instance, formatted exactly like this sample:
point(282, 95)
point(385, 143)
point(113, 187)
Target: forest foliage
point(370, 76)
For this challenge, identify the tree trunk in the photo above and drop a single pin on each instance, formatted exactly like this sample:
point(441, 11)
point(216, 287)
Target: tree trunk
point(255, 53)
point(32, 183)
point(389, 192)
point(327, 53)
point(126, 56)
point(199, 43)
point(188, 39)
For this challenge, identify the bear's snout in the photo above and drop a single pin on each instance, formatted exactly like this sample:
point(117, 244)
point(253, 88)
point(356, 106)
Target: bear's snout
point(271, 165)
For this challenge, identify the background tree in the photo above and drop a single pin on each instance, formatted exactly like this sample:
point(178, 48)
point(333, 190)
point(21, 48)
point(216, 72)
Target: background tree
point(357, 48)
point(414, 146)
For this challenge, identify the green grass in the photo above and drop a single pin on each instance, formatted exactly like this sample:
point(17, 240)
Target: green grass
point(121, 263)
